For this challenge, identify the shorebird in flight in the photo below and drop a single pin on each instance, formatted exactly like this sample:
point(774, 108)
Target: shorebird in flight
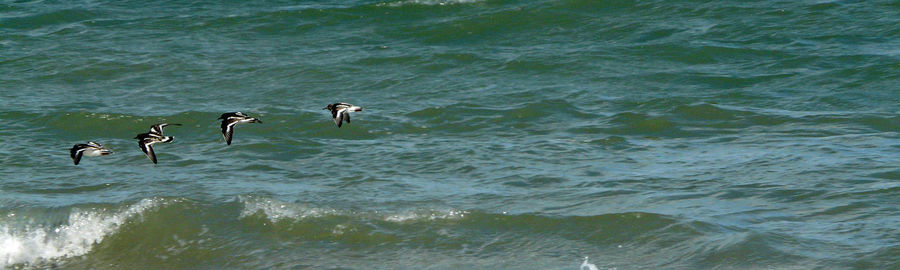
point(231, 119)
point(340, 112)
point(146, 140)
point(90, 149)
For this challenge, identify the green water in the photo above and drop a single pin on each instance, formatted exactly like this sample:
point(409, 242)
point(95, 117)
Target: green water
point(495, 134)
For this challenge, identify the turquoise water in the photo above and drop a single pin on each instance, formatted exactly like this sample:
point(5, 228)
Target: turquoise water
point(495, 135)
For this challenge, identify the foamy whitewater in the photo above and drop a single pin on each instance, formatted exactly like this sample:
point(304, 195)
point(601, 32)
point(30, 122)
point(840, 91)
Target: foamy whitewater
point(82, 229)
point(275, 210)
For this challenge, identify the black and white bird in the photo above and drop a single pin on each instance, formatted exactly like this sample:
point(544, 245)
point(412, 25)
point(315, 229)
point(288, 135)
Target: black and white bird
point(90, 149)
point(146, 140)
point(340, 112)
point(231, 119)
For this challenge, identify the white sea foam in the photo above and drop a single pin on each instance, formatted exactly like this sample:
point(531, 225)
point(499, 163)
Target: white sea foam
point(275, 210)
point(426, 215)
point(587, 266)
point(76, 237)
point(590, 266)
point(428, 2)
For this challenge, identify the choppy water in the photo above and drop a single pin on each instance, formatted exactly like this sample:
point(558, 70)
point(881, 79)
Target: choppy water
point(496, 134)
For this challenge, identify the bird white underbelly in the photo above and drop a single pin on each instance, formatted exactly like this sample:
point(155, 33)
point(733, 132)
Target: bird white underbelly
point(93, 152)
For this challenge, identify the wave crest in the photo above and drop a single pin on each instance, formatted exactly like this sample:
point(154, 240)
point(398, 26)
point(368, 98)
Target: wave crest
point(275, 211)
point(29, 244)
point(428, 2)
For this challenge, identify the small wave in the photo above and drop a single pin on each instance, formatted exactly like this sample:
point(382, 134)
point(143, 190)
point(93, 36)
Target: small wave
point(290, 216)
point(82, 229)
point(754, 248)
point(704, 112)
point(56, 17)
point(428, 2)
point(275, 211)
point(300, 221)
point(467, 117)
point(629, 123)
point(425, 215)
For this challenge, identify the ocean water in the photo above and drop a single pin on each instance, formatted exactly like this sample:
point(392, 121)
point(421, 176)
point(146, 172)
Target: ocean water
point(496, 134)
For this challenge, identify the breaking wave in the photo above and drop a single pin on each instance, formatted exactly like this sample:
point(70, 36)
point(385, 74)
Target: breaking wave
point(24, 243)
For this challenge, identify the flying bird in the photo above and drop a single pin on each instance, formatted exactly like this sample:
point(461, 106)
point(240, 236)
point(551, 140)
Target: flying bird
point(231, 119)
point(158, 128)
point(146, 140)
point(340, 112)
point(90, 149)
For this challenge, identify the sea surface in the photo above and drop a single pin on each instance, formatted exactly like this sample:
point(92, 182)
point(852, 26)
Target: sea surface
point(496, 134)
